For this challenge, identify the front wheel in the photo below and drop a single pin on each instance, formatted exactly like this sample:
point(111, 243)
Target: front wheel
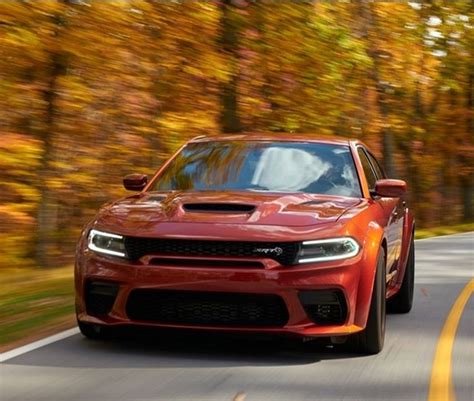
point(402, 301)
point(371, 339)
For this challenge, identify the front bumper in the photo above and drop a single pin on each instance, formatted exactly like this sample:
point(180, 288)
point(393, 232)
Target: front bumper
point(286, 282)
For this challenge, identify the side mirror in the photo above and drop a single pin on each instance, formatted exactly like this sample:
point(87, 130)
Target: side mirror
point(135, 182)
point(390, 188)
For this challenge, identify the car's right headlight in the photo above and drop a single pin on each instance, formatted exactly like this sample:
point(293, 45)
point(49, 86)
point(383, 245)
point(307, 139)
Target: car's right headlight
point(328, 249)
point(106, 243)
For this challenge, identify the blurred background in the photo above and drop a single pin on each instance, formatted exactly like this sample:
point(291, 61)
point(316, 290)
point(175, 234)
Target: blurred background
point(93, 90)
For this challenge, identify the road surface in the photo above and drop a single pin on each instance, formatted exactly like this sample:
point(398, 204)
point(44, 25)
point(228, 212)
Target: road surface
point(213, 369)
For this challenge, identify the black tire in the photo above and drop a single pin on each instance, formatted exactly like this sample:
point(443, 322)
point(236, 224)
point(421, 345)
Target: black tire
point(91, 331)
point(402, 301)
point(371, 340)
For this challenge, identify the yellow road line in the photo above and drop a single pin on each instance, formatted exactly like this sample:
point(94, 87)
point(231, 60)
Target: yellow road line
point(441, 384)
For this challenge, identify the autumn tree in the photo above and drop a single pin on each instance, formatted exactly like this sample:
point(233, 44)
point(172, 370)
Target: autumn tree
point(228, 42)
point(93, 90)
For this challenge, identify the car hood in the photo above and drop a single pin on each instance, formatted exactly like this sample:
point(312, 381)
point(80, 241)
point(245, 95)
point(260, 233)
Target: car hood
point(145, 210)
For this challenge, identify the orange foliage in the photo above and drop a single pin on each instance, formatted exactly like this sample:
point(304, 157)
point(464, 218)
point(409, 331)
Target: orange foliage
point(93, 90)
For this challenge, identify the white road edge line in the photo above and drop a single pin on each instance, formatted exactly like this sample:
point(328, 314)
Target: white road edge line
point(38, 344)
point(446, 235)
point(71, 332)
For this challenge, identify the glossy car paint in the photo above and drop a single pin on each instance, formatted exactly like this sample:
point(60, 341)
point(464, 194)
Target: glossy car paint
point(374, 222)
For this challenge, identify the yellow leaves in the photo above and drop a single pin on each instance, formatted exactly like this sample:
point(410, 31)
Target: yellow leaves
point(46, 7)
point(177, 127)
point(56, 183)
point(18, 152)
point(27, 194)
point(22, 45)
point(21, 37)
point(12, 141)
point(116, 86)
point(74, 94)
point(10, 215)
point(179, 122)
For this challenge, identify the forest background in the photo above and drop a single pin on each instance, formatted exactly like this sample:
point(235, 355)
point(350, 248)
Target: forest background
point(93, 90)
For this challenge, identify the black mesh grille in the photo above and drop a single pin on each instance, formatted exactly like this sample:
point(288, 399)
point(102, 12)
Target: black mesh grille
point(207, 308)
point(283, 252)
point(100, 297)
point(163, 261)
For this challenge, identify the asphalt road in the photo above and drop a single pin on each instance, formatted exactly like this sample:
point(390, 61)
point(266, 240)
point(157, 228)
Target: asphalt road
point(210, 368)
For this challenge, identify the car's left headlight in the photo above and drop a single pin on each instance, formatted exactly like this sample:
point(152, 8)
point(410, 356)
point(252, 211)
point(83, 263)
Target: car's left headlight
point(328, 249)
point(106, 243)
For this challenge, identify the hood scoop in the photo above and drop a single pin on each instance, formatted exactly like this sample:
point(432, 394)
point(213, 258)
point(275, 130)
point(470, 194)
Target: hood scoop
point(218, 207)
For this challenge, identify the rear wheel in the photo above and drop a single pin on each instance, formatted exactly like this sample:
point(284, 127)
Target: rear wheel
point(371, 339)
point(402, 301)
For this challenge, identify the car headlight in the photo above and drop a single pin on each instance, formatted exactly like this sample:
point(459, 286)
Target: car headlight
point(328, 249)
point(107, 243)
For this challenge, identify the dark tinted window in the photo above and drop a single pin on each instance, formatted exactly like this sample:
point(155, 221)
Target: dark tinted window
point(262, 166)
point(375, 164)
point(369, 174)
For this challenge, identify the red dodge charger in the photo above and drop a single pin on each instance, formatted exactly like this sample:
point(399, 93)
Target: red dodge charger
point(253, 234)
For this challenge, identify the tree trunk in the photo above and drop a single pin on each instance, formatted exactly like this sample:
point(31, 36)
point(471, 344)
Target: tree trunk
point(415, 196)
point(229, 119)
point(47, 221)
point(368, 23)
point(387, 151)
point(467, 179)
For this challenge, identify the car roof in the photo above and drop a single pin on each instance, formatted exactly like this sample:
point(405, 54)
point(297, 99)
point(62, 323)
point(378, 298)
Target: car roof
point(276, 137)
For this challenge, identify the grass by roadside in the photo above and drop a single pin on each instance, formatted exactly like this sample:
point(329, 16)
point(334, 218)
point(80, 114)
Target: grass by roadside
point(34, 301)
point(421, 233)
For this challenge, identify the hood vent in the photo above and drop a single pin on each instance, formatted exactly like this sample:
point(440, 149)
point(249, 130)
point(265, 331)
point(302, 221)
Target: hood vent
point(156, 198)
point(219, 207)
point(314, 202)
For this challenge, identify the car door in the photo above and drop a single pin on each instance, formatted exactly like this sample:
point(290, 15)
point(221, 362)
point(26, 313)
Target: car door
point(393, 215)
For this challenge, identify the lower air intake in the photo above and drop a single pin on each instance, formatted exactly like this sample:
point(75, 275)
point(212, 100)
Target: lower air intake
point(207, 308)
point(100, 297)
point(324, 307)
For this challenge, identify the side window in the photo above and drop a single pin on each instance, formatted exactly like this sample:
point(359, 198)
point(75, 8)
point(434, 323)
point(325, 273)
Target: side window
point(369, 173)
point(375, 164)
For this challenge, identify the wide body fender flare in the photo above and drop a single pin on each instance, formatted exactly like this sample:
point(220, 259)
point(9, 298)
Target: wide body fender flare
point(374, 240)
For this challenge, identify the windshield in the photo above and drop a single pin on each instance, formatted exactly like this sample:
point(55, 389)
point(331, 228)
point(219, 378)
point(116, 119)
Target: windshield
point(262, 166)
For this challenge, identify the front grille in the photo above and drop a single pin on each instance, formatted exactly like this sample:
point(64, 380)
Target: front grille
point(207, 308)
point(284, 253)
point(163, 261)
point(324, 307)
point(100, 297)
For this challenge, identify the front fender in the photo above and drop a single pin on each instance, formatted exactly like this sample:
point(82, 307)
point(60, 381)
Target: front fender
point(374, 238)
point(408, 234)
